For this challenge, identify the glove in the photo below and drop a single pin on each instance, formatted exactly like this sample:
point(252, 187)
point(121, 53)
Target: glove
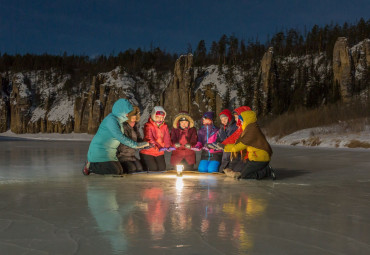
point(211, 145)
point(142, 145)
point(205, 148)
point(195, 149)
point(187, 146)
point(169, 149)
point(163, 149)
point(219, 146)
point(148, 147)
point(177, 145)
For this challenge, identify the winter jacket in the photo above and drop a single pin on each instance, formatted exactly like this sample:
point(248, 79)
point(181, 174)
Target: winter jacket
point(183, 136)
point(251, 139)
point(234, 136)
point(156, 135)
point(103, 146)
point(126, 153)
point(228, 129)
point(208, 134)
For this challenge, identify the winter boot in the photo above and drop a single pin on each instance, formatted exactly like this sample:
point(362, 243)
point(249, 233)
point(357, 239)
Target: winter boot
point(228, 172)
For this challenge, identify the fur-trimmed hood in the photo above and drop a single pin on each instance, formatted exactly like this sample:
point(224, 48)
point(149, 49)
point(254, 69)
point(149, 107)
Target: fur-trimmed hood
point(183, 115)
point(135, 111)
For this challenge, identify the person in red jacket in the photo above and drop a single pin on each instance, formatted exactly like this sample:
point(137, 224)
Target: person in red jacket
point(183, 137)
point(227, 128)
point(238, 159)
point(232, 138)
point(157, 135)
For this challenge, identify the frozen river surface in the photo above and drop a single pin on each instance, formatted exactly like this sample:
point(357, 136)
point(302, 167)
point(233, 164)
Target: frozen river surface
point(320, 204)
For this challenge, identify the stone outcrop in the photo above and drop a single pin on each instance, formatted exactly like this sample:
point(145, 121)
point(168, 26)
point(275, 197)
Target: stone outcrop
point(263, 88)
point(40, 101)
point(91, 108)
point(343, 68)
point(178, 95)
point(207, 100)
point(183, 94)
point(4, 114)
point(20, 104)
point(37, 103)
point(4, 107)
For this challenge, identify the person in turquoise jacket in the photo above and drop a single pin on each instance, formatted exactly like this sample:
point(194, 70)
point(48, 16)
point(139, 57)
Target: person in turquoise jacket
point(102, 152)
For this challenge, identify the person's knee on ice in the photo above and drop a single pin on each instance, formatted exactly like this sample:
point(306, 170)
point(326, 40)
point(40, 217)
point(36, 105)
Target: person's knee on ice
point(125, 154)
point(253, 140)
point(156, 133)
point(207, 134)
point(184, 138)
point(103, 147)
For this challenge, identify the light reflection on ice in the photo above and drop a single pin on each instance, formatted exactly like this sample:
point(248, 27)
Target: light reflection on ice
point(179, 184)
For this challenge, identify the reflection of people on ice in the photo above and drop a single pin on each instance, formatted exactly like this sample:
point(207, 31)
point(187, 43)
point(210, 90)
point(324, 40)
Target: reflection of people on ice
point(102, 151)
point(183, 137)
point(126, 154)
point(207, 134)
point(259, 151)
point(156, 210)
point(157, 134)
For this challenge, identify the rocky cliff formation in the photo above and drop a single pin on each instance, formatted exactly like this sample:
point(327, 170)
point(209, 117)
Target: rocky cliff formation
point(192, 91)
point(20, 104)
point(343, 68)
point(4, 106)
point(263, 90)
point(47, 101)
point(178, 95)
point(37, 102)
point(91, 108)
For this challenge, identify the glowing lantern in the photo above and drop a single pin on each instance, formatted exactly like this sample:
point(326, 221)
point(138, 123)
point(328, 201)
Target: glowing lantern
point(179, 169)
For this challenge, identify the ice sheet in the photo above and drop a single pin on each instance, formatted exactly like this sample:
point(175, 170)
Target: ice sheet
point(318, 205)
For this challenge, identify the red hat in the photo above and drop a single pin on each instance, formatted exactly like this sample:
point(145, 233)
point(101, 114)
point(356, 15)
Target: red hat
point(227, 113)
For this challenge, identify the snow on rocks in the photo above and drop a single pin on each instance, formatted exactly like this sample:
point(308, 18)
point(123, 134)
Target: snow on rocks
point(330, 136)
point(61, 111)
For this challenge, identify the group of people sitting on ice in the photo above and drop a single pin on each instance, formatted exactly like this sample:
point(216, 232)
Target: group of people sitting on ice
point(238, 148)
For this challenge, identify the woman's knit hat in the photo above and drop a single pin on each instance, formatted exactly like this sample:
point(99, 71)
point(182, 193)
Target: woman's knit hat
point(208, 115)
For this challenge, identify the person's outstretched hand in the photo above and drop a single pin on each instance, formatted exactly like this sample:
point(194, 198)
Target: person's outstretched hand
point(142, 145)
point(211, 145)
point(220, 146)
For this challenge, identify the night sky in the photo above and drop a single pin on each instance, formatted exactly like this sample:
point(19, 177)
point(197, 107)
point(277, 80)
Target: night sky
point(94, 27)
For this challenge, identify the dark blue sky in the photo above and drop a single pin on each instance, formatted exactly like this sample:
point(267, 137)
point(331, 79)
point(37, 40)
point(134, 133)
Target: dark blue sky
point(94, 27)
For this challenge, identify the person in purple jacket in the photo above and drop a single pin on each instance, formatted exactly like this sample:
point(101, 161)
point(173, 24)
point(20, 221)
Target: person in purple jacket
point(210, 159)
